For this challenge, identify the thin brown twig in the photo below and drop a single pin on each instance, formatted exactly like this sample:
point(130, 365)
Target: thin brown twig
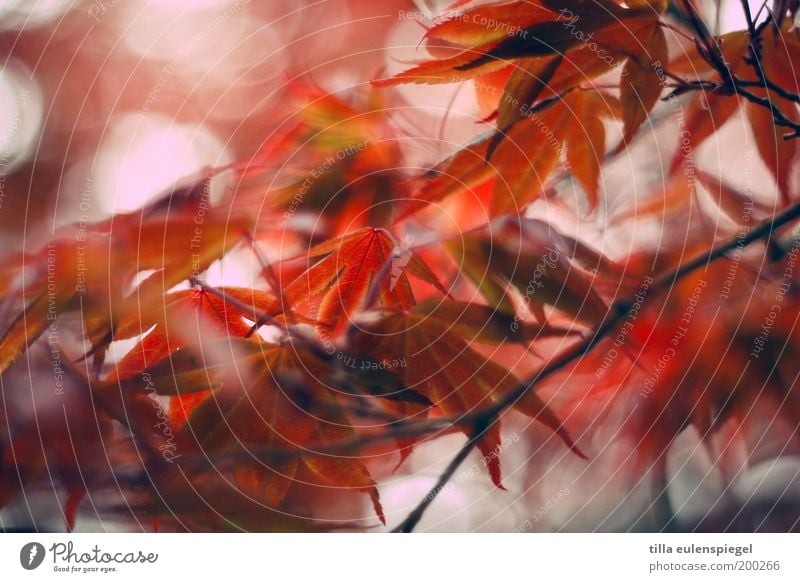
point(709, 49)
point(408, 524)
point(269, 274)
point(754, 58)
point(347, 387)
point(240, 305)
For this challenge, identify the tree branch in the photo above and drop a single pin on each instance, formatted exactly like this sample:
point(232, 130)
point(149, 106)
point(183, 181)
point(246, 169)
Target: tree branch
point(618, 311)
point(710, 50)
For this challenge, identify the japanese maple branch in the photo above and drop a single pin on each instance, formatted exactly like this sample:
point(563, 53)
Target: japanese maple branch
point(618, 311)
point(754, 58)
point(710, 50)
point(313, 346)
point(416, 514)
point(485, 417)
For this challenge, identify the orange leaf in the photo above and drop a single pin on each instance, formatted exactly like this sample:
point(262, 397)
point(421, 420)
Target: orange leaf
point(455, 378)
point(536, 259)
point(343, 271)
point(586, 144)
point(702, 119)
point(186, 318)
point(640, 85)
point(490, 23)
point(777, 153)
point(279, 406)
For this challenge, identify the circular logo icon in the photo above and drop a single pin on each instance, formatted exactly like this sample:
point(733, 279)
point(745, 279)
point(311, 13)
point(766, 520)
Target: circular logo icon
point(31, 555)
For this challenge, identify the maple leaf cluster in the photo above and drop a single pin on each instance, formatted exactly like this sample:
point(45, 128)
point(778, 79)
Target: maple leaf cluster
point(250, 407)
